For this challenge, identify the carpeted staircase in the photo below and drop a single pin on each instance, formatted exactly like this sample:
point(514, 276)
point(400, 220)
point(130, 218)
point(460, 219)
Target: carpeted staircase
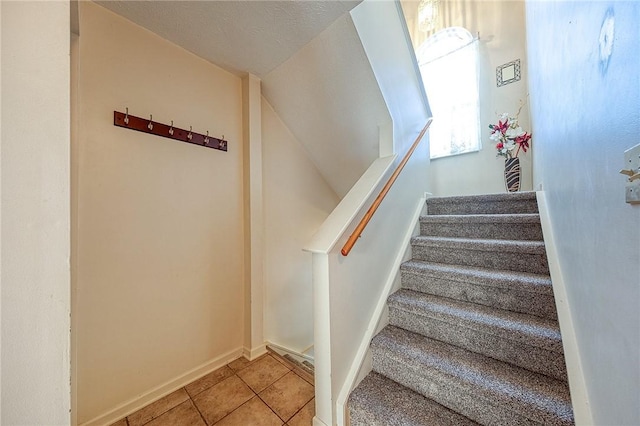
point(473, 335)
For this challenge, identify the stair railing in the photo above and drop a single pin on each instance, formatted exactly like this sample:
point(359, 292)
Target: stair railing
point(383, 193)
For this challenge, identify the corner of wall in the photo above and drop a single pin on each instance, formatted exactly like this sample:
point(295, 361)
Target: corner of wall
point(254, 353)
point(253, 216)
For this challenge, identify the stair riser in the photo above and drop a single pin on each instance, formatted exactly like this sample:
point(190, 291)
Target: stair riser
point(527, 231)
point(541, 305)
point(518, 353)
point(496, 207)
point(461, 397)
point(520, 262)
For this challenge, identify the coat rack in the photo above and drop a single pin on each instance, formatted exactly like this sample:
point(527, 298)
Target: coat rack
point(147, 125)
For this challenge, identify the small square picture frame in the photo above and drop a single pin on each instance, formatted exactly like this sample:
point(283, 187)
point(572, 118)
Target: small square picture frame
point(508, 73)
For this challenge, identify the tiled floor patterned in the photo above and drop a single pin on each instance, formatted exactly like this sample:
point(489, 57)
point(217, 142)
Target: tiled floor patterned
point(263, 392)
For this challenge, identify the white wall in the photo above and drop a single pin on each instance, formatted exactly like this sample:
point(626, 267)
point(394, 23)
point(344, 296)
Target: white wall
point(160, 222)
point(35, 213)
point(585, 115)
point(349, 292)
point(502, 39)
point(297, 200)
point(328, 97)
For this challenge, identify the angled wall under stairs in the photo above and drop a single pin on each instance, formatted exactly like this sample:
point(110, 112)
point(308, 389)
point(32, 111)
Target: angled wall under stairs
point(473, 335)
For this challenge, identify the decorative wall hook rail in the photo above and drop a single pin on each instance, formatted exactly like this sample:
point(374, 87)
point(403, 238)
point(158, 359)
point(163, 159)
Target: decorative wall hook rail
point(147, 125)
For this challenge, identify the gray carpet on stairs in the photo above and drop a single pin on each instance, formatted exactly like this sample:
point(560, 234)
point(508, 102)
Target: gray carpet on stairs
point(473, 335)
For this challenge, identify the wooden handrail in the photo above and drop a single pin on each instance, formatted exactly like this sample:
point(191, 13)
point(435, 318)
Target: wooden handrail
point(383, 193)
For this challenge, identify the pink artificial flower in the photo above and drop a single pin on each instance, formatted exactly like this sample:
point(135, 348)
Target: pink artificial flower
point(523, 141)
point(501, 127)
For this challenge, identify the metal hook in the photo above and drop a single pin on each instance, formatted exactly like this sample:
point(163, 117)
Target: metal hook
point(222, 144)
point(126, 117)
point(206, 139)
point(150, 125)
point(189, 136)
point(171, 128)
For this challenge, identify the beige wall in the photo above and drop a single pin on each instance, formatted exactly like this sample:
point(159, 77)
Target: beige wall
point(35, 213)
point(502, 39)
point(159, 222)
point(297, 200)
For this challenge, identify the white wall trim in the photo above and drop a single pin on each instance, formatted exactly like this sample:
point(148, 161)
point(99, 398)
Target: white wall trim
point(577, 384)
point(254, 353)
point(363, 348)
point(318, 422)
point(290, 351)
point(164, 389)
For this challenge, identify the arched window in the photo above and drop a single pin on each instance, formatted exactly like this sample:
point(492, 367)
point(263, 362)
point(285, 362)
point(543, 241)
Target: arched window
point(448, 61)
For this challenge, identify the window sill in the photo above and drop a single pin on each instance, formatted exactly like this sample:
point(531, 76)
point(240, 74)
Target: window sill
point(456, 154)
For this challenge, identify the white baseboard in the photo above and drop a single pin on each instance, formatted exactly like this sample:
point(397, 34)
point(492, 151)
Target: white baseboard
point(318, 422)
point(577, 385)
point(355, 372)
point(134, 404)
point(291, 351)
point(254, 353)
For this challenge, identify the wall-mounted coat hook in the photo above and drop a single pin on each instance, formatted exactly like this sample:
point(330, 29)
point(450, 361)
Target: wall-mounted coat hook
point(168, 131)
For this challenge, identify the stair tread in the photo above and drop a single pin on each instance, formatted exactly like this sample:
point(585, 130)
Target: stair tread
point(535, 283)
point(514, 326)
point(533, 395)
point(492, 218)
point(520, 202)
point(500, 196)
point(389, 403)
point(482, 244)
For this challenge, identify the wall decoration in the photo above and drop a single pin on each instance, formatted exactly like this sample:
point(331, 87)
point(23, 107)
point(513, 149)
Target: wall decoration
point(508, 73)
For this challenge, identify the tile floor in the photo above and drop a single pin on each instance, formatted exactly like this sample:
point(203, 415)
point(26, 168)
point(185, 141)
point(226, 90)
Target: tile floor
point(263, 392)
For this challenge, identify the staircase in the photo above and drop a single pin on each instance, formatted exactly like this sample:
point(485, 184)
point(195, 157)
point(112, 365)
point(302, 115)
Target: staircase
point(473, 335)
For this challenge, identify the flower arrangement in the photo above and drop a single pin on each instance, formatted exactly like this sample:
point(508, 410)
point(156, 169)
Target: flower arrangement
point(509, 135)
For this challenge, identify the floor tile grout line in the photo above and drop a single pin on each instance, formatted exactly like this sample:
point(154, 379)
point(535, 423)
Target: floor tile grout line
point(272, 410)
point(261, 399)
point(164, 412)
point(300, 409)
point(198, 410)
point(240, 406)
point(267, 404)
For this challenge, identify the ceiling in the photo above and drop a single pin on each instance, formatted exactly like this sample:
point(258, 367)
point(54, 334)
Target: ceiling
point(239, 36)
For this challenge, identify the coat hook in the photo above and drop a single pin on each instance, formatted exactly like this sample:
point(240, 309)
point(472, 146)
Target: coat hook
point(189, 136)
point(206, 139)
point(150, 125)
point(171, 128)
point(222, 144)
point(126, 117)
